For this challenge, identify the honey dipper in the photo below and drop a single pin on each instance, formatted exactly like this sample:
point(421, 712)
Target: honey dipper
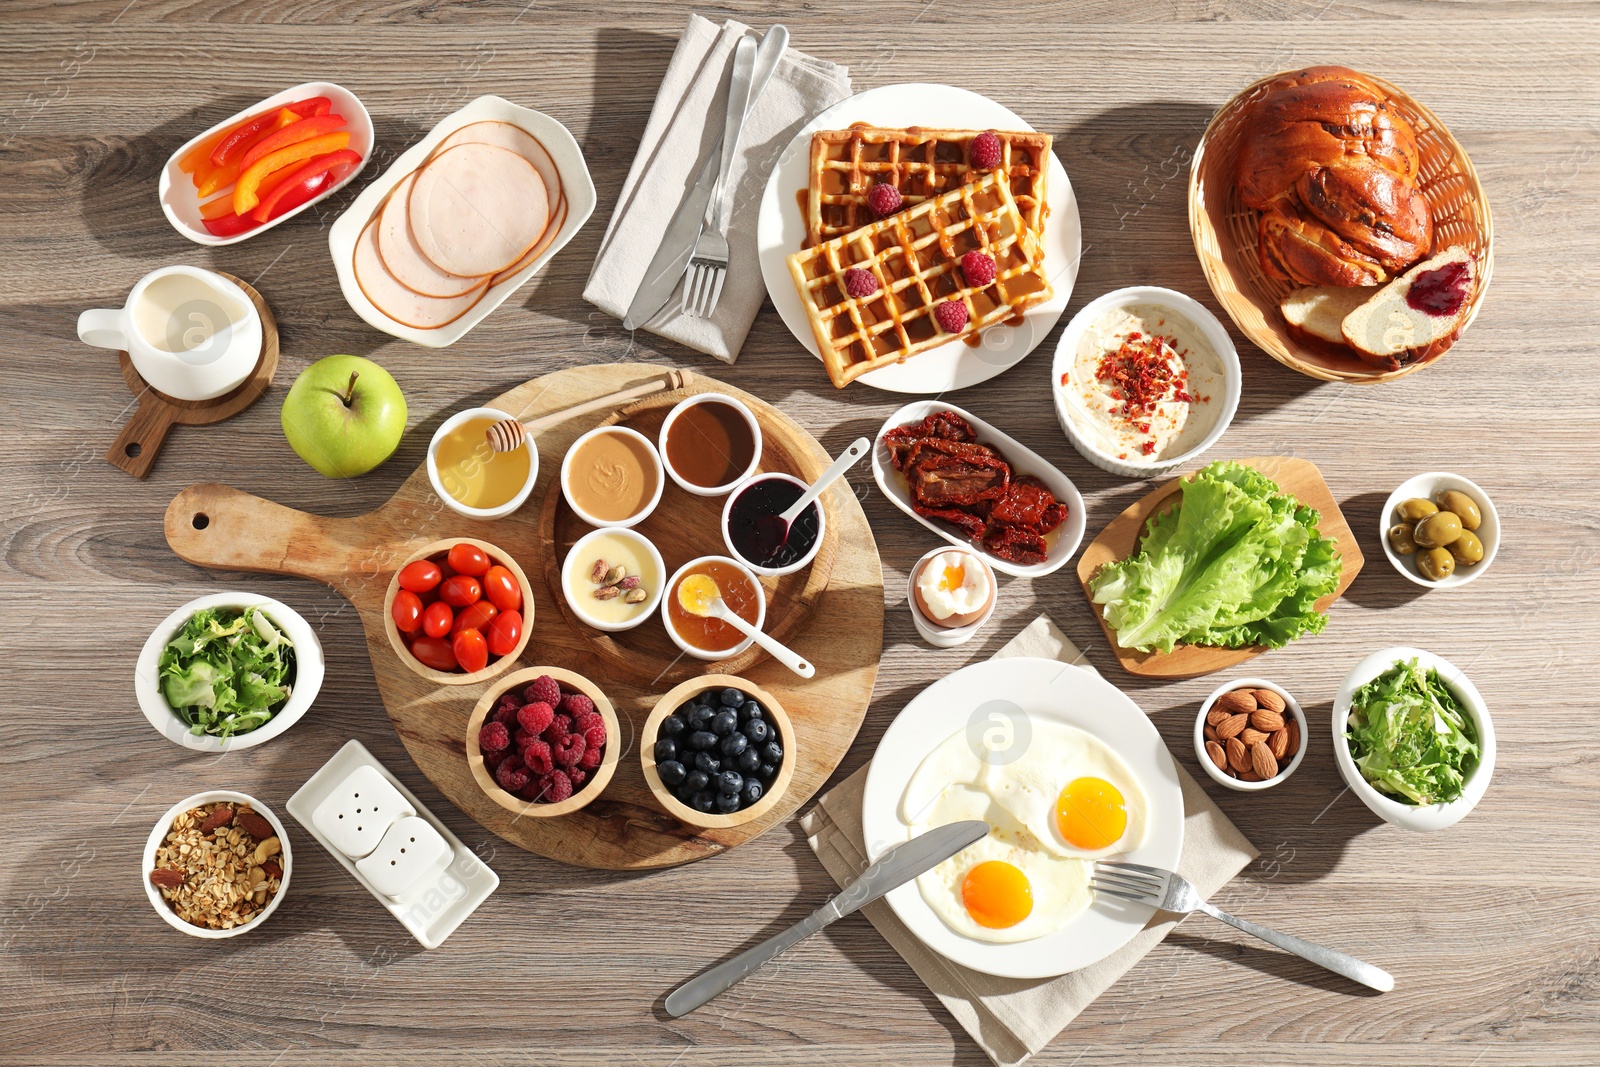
point(507, 435)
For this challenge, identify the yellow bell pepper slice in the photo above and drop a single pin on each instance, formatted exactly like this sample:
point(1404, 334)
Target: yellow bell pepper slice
point(247, 192)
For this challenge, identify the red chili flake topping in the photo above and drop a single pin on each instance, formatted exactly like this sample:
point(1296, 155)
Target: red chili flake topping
point(1143, 376)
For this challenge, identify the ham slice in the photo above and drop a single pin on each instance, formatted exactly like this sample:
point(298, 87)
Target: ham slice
point(395, 300)
point(476, 208)
point(550, 232)
point(512, 139)
point(403, 257)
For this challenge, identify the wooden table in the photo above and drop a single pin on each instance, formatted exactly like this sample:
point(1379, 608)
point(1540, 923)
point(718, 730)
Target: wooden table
point(1490, 928)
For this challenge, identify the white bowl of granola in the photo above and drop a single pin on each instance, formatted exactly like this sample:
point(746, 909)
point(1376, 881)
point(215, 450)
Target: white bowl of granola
point(219, 882)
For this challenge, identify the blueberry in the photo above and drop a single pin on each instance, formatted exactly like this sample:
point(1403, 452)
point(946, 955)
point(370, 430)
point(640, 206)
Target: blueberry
point(752, 791)
point(685, 794)
point(702, 740)
point(766, 771)
point(748, 761)
point(729, 782)
point(732, 698)
point(705, 761)
point(666, 749)
point(695, 781)
point(727, 803)
point(704, 800)
point(700, 716)
point(672, 772)
point(749, 710)
point(772, 752)
point(757, 731)
point(672, 726)
point(725, 723)
point(734, 744)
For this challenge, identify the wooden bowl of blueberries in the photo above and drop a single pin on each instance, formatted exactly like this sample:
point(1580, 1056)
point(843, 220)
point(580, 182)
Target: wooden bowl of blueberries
point(717, 751)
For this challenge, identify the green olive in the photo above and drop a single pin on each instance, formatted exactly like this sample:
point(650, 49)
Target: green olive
point(1463, 505)
point(1416, 508)
point(1400, 538)
point(1467, 549)
point(1436, 564)
point(1437, 530)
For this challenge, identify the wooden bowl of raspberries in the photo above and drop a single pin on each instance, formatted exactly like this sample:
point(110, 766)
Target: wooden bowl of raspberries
point(543, 742)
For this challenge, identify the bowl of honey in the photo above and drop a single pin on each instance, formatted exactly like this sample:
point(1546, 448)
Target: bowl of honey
point(711, 442)
point(470, 476)
point(695, 632)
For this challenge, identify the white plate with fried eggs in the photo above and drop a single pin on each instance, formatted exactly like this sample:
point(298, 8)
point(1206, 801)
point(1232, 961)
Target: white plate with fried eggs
point(1066, 769)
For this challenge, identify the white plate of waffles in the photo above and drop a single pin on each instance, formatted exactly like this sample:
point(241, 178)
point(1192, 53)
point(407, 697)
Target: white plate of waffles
point(914, 136)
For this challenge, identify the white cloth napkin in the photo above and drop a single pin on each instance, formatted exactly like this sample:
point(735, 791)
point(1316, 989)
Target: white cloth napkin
point(684, 124)
point(1009, 1018)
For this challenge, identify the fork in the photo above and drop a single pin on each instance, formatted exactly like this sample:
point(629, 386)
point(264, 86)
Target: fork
point(1171, 892)
point(708, 265)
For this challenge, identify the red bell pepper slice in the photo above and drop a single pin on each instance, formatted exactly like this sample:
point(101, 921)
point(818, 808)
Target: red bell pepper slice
point(247, 191)
point(212, 178)
point(303, 183)
point(238, 139)
point(229, 225)
point(293, 133)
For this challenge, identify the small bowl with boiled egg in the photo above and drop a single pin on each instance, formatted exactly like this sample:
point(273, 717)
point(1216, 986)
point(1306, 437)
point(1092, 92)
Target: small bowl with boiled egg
point(951, 594)
point(1238, 716)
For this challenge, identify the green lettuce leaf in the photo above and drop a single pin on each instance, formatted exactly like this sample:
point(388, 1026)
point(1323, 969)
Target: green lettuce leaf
point(227, 671)
point(1410, 737)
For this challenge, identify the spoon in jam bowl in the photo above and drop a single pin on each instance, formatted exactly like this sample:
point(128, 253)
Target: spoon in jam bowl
point(771, 532)
point(699, 594)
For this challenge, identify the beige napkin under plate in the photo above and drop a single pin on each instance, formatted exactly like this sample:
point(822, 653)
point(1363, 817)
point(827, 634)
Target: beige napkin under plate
point(685, 122)
point(1010, 1018)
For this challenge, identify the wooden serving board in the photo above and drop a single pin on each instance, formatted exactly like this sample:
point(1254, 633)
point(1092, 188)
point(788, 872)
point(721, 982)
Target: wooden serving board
point(842, 633)
point(1298, 477)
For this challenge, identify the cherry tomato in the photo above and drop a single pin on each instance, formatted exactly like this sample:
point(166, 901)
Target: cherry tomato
point(434, 652)
point(504, 632)
point(470, 649)
point(475, 616)
point(407, 611)
point(437, 619)
point(468, 559)
point(501, 587)
point(459, 590)
point(420, 576)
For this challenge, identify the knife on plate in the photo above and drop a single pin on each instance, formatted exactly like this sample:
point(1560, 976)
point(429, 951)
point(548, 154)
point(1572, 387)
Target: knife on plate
point(894, 868)
point(677, 244)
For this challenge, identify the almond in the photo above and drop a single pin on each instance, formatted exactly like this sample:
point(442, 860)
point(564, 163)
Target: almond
point(1251, 736)
point(1278, 743)
point(254, 825)
point(1261, 761)
point(220, 816)
point(1231, 726)
point(1266, 698)
point(1216, 715)
point(1211, 734)
point(1249, 776)
point(1218, 756)
point(1238, 702)
point(1293, 744)
point(1238, 755)
point(1266, 720)
point(166, 877)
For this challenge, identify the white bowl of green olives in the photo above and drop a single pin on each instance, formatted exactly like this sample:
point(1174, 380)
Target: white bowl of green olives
point(1439, 530)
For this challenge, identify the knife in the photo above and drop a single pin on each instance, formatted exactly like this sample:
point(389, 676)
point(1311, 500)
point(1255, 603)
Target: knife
point(677, 244)
point(894, 868)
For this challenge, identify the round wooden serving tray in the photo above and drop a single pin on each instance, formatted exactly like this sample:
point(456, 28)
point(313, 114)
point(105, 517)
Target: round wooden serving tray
point(838, 626)
point(1224, 233)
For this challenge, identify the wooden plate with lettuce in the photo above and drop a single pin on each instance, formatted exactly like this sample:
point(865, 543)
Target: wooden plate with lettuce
point(1212, 569)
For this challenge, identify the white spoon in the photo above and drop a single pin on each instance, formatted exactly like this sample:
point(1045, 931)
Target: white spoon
point(772, 531)
point(713, 606)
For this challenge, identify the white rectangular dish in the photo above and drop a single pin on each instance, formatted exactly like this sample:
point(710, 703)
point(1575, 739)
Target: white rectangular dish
point(181, 203)
point(1063, 541)
point(576, 185)
point(433, 910)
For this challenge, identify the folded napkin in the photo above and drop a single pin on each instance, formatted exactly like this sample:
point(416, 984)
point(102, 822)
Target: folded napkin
point(684, 125)
point(1011, 1018)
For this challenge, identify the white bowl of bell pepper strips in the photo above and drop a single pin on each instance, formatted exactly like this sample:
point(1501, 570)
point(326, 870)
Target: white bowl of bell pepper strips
point(266, 164)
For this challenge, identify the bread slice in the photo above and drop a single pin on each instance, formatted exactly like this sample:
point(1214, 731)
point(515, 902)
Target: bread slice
point(1387, 325)
point(1319, 310)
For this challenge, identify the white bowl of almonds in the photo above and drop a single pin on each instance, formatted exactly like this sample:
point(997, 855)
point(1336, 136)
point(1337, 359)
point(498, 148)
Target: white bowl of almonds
point(1250, 735)
point(216, 864)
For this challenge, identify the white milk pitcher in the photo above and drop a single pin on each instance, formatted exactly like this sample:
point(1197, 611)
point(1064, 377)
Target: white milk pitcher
point(192, 334)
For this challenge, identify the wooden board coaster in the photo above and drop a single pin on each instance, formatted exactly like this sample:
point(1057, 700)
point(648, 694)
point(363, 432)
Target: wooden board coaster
point(136, 446)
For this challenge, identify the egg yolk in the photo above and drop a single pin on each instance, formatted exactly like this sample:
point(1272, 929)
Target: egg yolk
point(1091, 814)
point(996, 894)
point(952, 579)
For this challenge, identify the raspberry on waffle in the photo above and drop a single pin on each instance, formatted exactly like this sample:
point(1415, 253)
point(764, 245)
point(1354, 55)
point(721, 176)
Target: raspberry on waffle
point(919, 163)
point(915, 255)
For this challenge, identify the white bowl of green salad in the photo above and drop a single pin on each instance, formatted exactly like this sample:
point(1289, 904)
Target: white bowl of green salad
point(1413, 738)
point(228, 671)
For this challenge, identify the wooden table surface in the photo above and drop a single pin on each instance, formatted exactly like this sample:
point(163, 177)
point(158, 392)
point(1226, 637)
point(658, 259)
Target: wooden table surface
point(1490, 928)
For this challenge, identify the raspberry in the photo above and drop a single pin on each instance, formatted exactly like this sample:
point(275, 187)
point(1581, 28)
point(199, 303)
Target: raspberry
point(543, 690)
point(536, 755)
point(883, 199)
point(534, 790)
point(535, 717)
point(506, 715)
point(860, 283)
point(512, 775)
point(494, 737)
point(582, 724)
point(984, 152)
point(492, 760)
point(569, 750)
point(577, 778)
point(977, 268)
point(523, 737)
point(575, 704)
point(593, 755)
point(557, 787)
point(559, 727)
point(951, 316)
point(595, 736)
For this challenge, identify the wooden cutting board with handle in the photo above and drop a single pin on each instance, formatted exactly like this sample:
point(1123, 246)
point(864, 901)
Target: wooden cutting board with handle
point(841, 631)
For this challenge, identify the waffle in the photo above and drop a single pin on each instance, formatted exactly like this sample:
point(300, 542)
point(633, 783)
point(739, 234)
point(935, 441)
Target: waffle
point(915, 255)
point(920, 163)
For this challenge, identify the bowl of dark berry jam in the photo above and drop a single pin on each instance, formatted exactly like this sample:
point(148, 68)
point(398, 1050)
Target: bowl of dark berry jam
point(753, 528)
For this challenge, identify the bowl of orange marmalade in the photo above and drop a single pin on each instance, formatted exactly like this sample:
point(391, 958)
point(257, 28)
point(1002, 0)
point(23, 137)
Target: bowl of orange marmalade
point(708, 638)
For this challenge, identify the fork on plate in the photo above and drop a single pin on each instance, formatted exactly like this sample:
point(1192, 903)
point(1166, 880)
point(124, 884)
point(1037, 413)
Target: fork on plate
point(708, 265)
point(1171, 892)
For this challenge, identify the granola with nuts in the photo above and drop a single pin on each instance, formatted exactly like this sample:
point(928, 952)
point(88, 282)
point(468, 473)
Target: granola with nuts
point(215, 866)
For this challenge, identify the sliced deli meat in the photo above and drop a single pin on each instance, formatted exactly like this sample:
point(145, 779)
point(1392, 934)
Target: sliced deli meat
point(557, 220)
point(512, 139)
point(395, 300)
point(401, 254)
point(476, 208)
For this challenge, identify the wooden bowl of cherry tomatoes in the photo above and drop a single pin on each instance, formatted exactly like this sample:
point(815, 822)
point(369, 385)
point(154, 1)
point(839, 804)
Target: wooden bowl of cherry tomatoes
point(458, 611)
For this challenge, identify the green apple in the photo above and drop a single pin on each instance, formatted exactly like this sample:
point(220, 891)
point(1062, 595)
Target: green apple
point(344, 415)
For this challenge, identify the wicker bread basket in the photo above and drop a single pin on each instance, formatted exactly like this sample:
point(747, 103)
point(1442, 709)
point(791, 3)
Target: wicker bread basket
point(1224, 232)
